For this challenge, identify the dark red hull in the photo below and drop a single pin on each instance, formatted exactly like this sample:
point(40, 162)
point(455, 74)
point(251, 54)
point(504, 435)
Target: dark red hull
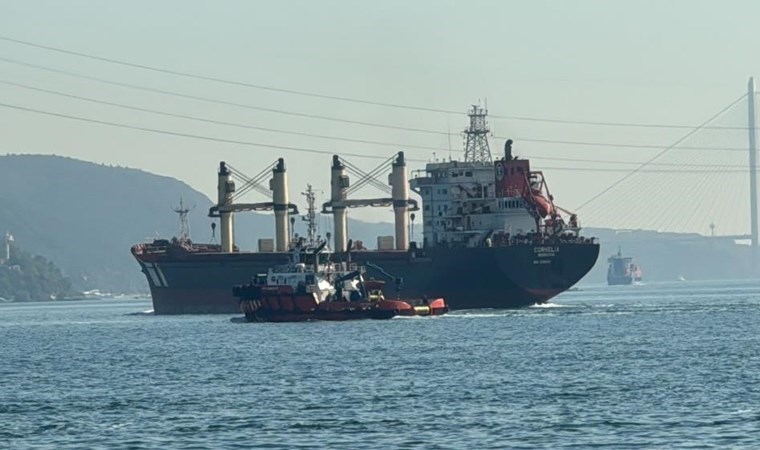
point(278, 306)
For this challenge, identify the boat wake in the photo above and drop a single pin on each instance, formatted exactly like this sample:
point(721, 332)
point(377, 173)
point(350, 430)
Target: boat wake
point(147, 312)
point(471, 313)
point(549, 305)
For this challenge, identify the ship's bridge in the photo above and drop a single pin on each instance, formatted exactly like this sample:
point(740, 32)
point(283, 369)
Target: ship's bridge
point(460, 207)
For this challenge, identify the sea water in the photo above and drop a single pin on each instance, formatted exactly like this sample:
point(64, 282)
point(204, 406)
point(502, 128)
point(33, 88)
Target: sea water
point(655, 366)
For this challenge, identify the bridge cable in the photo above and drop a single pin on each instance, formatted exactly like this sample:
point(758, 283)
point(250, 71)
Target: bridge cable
point(659, 154)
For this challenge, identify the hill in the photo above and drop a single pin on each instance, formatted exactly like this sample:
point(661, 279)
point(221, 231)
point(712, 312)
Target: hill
point(26, 277)
point(86, 216)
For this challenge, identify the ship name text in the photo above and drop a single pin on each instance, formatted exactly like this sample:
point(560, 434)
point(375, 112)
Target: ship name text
point(545, 252)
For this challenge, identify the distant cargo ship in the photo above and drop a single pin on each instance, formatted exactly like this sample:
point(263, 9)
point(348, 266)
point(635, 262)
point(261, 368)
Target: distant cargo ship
point(492, 235)
point(622, 270)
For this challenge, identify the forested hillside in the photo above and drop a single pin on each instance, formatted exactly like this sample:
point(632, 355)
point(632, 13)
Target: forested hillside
point(26, 277)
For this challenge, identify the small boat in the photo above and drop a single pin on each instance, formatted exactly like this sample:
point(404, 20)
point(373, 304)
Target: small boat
point(309, 288)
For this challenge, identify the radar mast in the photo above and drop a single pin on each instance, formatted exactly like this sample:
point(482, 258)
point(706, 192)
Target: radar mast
point(184, 224)
point(311, 216)
point(476, 136)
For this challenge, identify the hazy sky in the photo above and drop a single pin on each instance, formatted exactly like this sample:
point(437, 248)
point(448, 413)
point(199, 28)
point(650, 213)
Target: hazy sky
point(661, 62)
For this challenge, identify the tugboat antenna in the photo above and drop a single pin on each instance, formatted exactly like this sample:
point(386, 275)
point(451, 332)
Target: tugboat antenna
point(311, 216)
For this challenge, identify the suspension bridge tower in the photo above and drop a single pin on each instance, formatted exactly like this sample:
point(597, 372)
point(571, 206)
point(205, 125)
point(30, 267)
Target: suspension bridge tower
point(476, 146)
point(752, 172)
point(752, 162)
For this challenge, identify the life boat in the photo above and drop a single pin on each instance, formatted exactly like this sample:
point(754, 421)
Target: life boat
point(543, 205)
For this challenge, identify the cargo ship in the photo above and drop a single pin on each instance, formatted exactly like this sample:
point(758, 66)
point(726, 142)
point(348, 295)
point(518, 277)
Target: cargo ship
point(622, 270)
point(492, 234)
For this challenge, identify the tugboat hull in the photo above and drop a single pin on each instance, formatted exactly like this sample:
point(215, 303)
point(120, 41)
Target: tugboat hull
point(279, 304)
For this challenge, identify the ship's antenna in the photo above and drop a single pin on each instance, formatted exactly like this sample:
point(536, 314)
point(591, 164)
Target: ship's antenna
point(448, 134)
point(476, 136)
point(184, 225)
point(311, 216)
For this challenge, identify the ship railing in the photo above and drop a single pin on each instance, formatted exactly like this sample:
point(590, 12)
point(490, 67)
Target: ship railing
point(423, 180)
point(505, 239)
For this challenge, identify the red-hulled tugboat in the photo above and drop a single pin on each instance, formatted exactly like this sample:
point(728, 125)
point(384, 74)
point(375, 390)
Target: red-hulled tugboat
point(311, 289)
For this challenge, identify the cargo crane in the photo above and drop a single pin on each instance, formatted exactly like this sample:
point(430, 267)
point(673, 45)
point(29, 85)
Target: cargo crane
point(399, 197)
point(226, 206)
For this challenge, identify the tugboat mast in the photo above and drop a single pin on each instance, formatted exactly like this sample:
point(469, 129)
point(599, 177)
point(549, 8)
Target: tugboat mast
point(184, 224)
point(311, 216)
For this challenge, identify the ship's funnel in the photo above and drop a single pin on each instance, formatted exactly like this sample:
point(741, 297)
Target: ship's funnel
point(280, 201)
point(338, 187)
point(399, 182)
point(508, 150)
point(226, 188)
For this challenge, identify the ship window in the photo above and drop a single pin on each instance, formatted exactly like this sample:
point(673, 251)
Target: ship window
point(468, 174)
point(445, 191)
point(427, 207)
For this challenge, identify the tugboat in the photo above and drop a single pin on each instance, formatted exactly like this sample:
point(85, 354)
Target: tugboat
point(622, 270)
point(311, 289)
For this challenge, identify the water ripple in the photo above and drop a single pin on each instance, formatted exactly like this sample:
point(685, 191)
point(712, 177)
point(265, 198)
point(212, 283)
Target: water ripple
point(646, 367)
